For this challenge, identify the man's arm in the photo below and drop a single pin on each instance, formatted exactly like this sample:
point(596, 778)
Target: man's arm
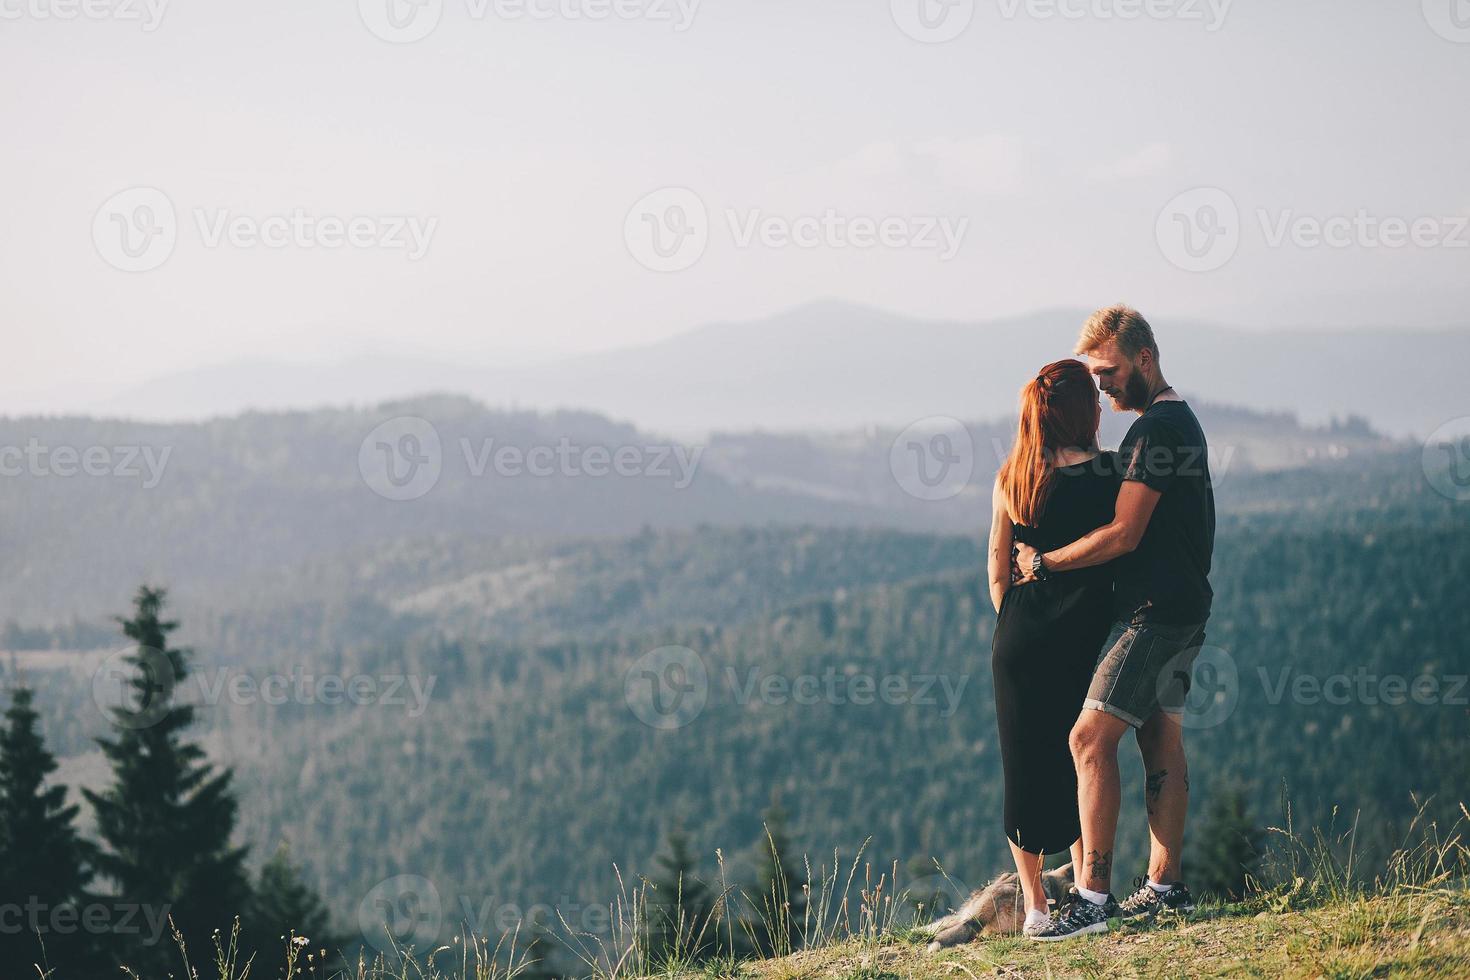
point(1131, 515)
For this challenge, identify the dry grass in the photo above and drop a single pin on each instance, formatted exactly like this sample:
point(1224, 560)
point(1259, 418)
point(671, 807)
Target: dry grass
point(1419, 934)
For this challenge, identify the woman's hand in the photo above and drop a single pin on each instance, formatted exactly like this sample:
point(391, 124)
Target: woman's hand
point(1023, 557)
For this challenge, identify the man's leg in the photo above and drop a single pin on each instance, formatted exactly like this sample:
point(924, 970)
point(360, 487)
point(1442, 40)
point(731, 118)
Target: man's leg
point(1094, 743)
point(1166, 791)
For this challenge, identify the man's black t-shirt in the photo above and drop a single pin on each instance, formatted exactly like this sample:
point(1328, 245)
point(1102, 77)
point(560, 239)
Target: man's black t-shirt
point(1166, 578)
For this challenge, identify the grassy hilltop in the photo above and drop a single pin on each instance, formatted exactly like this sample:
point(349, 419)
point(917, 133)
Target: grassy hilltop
point(1421, 934)
point(1310, 914)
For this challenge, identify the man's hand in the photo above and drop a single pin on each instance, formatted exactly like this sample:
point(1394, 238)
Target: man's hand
point(1024, 556)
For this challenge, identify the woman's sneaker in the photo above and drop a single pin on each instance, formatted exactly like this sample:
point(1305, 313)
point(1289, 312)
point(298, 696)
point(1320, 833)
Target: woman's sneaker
point(1147, 901)
point(1036, 920)
point(1076, 917)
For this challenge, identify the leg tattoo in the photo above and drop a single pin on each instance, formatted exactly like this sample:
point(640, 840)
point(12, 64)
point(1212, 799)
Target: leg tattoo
point(1100, 865)
point(1153, 785)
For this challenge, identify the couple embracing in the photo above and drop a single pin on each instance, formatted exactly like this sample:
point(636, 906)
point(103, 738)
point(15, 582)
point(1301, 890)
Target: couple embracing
point(1099, 570)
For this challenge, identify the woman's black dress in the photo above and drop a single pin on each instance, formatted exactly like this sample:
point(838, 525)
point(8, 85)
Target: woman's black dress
point(1048, 637)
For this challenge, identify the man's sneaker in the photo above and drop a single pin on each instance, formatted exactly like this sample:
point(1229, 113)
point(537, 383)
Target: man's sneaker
point(1145, 903)
point(1076, 917)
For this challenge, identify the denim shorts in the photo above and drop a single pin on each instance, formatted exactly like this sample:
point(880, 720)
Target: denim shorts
point(1145, 667)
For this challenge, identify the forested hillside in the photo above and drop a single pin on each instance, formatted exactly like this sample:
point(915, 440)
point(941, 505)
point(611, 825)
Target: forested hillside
point(531, 730)
point(528, 773)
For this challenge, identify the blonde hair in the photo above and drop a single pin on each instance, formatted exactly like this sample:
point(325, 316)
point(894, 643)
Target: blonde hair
point(1122, 324)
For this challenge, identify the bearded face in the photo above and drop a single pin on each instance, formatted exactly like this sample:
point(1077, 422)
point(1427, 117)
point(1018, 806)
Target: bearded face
point(1120, 378)
point(1135, 391)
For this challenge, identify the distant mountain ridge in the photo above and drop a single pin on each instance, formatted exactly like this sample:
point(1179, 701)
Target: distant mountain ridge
point(830, 366)
point(211, 507)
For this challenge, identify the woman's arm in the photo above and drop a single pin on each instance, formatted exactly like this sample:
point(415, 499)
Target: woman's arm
point(999, 562)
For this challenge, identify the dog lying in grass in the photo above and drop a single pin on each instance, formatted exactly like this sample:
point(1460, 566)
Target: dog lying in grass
point(995, 910)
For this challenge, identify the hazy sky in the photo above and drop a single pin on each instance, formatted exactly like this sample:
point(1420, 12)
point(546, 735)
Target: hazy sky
point(1051, 149)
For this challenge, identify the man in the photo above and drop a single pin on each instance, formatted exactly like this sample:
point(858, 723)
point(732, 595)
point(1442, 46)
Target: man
point(1162, 536)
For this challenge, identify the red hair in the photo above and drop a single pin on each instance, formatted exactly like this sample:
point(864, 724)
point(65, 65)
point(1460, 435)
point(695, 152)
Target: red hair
point(1057, 412)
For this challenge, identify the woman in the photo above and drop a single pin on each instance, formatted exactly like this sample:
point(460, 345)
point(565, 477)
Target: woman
point(1053, 488)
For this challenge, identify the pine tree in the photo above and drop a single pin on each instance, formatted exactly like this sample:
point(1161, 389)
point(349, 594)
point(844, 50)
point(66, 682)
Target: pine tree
point(681, 907)
point(1227, 849)
point(284, 904)
point(166, 822)
point(42, 860)
point(780, 900)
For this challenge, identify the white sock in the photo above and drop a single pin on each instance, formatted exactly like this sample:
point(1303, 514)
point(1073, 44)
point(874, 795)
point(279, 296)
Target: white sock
point(1158, 887)
point(1035, 917)
point(1096, 898)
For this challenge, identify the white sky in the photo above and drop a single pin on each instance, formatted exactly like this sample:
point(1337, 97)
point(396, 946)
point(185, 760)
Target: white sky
point(529, 140)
